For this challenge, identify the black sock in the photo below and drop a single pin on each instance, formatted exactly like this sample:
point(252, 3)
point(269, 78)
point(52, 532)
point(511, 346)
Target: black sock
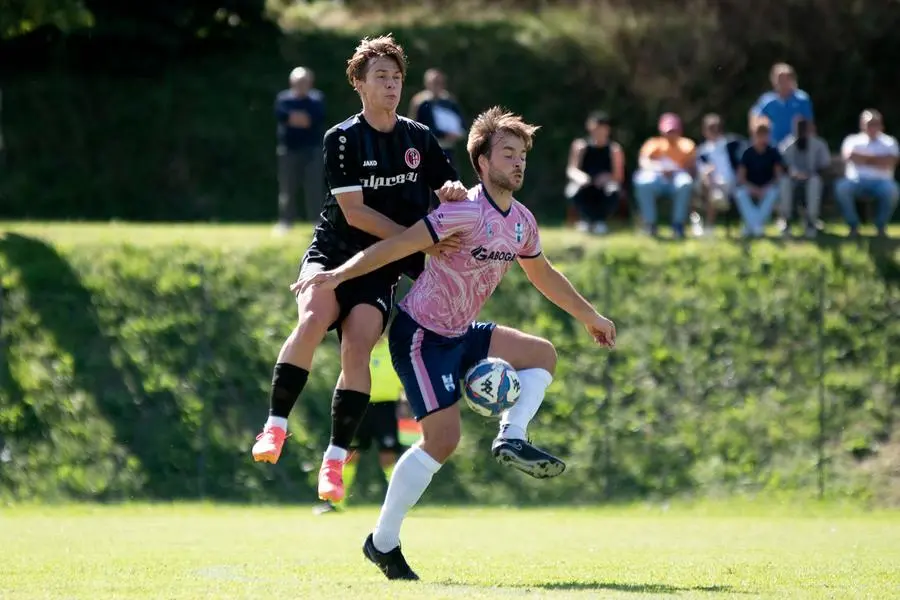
point(287, 383)
point(348, 408)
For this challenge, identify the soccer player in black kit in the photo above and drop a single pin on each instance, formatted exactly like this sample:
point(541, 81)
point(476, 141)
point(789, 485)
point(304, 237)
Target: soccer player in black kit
point(381, 171)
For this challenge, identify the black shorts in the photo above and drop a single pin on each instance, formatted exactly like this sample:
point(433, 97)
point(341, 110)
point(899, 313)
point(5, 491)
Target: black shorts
point(379, 424)
point(376, 288)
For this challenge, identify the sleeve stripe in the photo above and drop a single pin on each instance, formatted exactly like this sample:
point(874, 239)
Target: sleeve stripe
point(346, 189)
point(530, 255)
point(434, 235)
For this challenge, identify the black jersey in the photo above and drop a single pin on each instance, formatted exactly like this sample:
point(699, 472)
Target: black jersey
point(396, 172)
point(596, 160)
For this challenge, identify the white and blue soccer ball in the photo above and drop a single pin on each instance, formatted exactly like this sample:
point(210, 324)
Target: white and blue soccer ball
point(491, 387)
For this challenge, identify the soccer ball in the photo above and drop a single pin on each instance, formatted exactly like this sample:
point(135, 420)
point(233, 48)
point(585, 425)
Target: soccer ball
point(491, 387)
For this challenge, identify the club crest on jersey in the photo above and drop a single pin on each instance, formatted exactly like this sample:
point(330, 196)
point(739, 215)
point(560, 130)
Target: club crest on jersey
point(412, 158)
point(489, 229)
point(449, 385)
point(519, 232)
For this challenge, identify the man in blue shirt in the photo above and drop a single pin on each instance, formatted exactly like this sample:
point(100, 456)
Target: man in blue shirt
point(437, 108)
point(300, 114)
point(784, 104)
point(759, 171)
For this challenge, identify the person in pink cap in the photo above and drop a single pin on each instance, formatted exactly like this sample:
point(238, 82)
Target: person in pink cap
point(666, 169)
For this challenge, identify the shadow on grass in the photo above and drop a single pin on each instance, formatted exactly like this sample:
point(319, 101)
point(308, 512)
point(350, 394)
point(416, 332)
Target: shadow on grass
point(636, 588)
point(612, 586)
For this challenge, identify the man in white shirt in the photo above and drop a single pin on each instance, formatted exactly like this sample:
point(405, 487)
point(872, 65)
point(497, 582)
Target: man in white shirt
point(871, 157)
point(716, 167)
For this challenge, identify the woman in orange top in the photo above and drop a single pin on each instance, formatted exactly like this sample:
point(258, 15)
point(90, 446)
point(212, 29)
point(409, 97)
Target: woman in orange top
point(667, 166)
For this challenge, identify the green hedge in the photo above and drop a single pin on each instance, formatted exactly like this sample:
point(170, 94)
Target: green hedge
point(130, 372)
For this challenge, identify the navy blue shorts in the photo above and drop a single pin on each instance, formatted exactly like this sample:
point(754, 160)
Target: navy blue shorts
point(431, 365)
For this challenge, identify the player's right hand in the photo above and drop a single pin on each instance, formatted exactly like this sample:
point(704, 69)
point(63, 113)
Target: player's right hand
point(452, 191)
point(448, 245)
point(326, 280)
point(602, 330)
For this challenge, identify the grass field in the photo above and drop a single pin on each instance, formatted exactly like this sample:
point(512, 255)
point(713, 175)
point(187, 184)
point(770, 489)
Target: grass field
point(709, 551)
point(196, 551)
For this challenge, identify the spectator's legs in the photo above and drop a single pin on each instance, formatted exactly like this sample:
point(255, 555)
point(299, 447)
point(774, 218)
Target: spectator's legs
point(707, 186)
point(786, 187)
point(766, 206)
point(747, 208)
point(313, 183)
point(583, 201)
point(716, 196)
point(605, 206)
point(813, 203)
point(845, 194)
point(682, 188)
point(647, 187)
point(289, 172)
point(710, 191)
point(886, 193)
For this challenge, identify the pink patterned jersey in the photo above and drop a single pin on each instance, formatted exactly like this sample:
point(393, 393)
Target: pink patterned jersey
point(449, 294)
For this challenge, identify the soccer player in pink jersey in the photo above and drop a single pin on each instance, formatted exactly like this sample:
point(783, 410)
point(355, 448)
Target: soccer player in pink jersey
point(435, 339)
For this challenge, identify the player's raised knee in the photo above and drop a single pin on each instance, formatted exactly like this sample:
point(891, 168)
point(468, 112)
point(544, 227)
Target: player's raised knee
point(545, 356)
point(316, 313)
point(359, 334)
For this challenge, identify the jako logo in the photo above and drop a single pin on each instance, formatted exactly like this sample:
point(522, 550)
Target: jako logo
point(481, 253)
point(370, 163)
point(376, 182)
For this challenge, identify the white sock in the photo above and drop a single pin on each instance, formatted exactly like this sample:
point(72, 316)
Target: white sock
point(411, 477)
point(334, 453)
point(514, 422)
point(276, 422)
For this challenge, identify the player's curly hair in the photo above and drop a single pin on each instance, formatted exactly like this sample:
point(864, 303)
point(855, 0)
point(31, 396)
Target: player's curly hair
point(491, 122)
point(383, 45)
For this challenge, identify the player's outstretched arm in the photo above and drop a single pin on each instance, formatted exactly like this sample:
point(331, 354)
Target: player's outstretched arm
point(412, 240)
point(559, 290)
point(371, 221)
point(366, 218)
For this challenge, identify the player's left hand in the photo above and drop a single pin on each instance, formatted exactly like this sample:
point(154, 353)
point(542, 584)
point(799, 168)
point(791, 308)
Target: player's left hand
point(452, 191)
point(602, 330)
point(326, 280)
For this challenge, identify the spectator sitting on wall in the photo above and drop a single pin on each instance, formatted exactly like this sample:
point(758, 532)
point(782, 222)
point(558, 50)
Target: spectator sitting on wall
point(596, 172)
point(758, 172)
point(718, 158)
point(806, 158)
point(871, 157)
point(666, 167)
point(783, 105)
point(300, 114)
point(435, 107)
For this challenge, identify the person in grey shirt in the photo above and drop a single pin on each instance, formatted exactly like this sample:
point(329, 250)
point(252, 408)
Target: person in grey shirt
point(807, 157)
